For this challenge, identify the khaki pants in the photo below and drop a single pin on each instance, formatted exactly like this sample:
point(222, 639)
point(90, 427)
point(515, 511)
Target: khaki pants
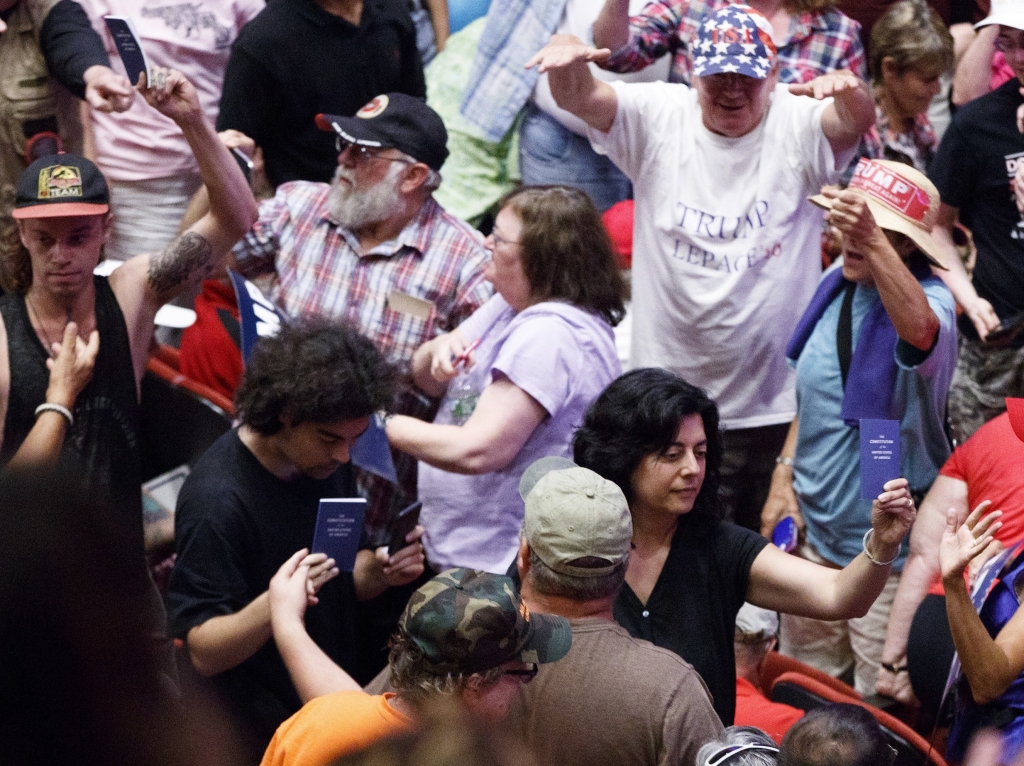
point(836, 647)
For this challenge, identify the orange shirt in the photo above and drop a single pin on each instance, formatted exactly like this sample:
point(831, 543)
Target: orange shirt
point(754, 709)
point(331, 726)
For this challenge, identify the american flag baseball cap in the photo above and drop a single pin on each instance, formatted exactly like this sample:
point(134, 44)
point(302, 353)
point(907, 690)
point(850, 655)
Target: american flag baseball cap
point(735, 39)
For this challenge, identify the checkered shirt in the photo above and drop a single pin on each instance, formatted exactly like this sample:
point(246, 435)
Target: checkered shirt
point(319, 271)
point(819, 42)
point(916, 147)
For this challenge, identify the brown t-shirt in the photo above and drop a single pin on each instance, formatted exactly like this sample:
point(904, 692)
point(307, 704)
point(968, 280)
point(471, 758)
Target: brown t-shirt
point(616, 700)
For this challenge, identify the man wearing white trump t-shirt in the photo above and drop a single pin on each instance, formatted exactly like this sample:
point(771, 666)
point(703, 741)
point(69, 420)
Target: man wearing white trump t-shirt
point(726, 247)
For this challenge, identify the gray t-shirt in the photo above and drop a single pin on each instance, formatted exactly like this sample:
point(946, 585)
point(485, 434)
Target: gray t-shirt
point(616, 700)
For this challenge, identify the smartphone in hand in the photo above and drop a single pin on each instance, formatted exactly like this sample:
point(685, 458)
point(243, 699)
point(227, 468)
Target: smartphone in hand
point(403, 524)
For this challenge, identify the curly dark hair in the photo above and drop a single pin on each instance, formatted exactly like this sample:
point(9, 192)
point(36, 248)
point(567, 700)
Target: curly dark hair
point(565, 250)
point(639, 415)
point(314, 370)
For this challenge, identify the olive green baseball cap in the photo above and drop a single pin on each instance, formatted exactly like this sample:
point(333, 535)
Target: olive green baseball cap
point(576, 521)
point(466, 621)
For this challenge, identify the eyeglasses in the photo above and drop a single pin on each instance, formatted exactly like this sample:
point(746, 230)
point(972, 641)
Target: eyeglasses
point(525, 675)
point(366, 153)
point(727, 752)
point(500, 240)
point(1008, 44)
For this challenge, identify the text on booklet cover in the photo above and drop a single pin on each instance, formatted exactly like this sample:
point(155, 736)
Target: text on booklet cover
point(879, 455)
point(339, 526)
point(126, 39)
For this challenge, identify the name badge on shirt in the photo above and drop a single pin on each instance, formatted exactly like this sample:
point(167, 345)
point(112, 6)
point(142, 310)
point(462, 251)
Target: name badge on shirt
point(409, 304)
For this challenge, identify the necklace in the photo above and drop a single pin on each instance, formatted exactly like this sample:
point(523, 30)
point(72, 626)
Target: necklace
point(42, 326)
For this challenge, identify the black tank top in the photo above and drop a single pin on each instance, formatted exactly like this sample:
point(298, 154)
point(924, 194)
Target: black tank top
point(104, 440)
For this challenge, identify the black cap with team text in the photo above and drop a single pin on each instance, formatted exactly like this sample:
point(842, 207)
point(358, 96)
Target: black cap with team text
point(398, 121)
point(59, 185)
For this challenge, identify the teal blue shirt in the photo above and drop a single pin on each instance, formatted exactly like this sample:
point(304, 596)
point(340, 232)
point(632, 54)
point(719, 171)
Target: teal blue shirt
point(826, 472)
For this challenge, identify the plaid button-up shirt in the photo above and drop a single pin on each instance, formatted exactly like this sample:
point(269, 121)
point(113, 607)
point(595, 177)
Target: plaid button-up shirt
point(436, 258)
point(819, 42)
point(319, 271)
point(915, 147)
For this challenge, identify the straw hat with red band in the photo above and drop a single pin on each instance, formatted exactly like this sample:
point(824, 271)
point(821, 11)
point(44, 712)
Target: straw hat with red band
point(901, 199)
point(61, 185)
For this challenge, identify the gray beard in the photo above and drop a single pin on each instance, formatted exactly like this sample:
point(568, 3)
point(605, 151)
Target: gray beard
point(353, 208)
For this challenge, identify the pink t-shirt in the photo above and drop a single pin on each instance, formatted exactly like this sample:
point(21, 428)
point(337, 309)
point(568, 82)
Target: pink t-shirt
point(192, 37)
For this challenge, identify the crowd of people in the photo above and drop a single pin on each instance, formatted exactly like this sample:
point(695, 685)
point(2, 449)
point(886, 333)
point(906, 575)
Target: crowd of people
point(627, 405)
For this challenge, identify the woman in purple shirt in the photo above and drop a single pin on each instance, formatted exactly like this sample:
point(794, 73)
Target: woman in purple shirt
point(516, 376)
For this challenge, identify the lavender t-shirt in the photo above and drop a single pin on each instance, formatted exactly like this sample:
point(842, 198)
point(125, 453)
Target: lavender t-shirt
point(563, 357)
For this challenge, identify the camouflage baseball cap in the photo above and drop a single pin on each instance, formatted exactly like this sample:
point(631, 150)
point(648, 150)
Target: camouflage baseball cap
point(467, 621)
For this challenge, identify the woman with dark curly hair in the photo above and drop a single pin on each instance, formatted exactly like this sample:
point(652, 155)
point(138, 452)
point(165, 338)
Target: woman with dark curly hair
point(544, 350)
point(656, 437)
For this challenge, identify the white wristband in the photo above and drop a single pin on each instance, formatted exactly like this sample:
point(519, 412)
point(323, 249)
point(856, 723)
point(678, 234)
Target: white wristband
point(50, 407)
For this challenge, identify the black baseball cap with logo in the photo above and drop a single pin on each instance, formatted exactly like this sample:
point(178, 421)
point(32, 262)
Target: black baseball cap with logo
point(60, 185)
point(394, 121)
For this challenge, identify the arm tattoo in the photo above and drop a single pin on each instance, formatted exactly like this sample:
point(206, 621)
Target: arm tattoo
point(186, 256)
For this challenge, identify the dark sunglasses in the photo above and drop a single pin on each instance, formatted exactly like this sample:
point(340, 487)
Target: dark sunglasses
point(365, 153)
point(525, 675)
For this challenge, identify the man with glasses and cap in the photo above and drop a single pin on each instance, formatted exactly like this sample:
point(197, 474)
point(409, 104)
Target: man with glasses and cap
point(728, 250)
point(373, 247)
point(614, 698)
point(465, 634)
point(974, 171)
point(878, 341)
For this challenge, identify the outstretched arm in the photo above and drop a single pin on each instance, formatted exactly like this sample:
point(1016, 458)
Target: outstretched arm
point(847, 118)
point(789, 584)
point(146, 282)
point(573, 85)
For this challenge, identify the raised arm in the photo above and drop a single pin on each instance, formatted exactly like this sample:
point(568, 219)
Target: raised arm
point(573, 85)
point(919, 574)
point(902, 295)
point(978, 310)
point(611, 30)
point(146, 282)
point(973, 75)
point(990, 665)
point(852, 112)
point(786, 583)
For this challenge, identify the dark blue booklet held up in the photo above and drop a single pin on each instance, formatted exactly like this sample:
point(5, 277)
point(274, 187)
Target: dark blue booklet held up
point(126, 39)
point(339, 526)
point(879, 455)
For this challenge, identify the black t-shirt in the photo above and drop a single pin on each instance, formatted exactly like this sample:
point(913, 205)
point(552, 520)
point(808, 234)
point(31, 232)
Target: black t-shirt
point(295, 60)
point(972, 170)
point(692, 609)
point(236, 523)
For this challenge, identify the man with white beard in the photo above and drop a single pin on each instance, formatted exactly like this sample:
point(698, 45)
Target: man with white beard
point(374, 247)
